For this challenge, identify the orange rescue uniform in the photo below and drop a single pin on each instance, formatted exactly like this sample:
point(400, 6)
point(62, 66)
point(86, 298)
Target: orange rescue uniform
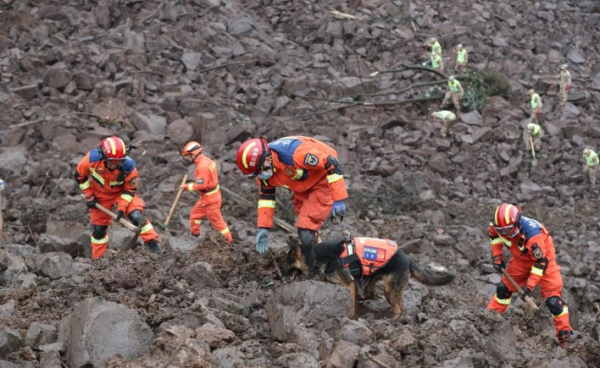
point(206, 183)
point(299, 165)
point(533, 263)
point(111, 187)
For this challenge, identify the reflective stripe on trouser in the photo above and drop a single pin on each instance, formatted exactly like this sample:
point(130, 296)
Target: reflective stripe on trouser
point(148, 233)
point(212, 211)
point(99, 246)
point(498, 305)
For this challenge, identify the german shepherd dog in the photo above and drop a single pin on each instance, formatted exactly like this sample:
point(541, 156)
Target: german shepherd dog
point(317, 258)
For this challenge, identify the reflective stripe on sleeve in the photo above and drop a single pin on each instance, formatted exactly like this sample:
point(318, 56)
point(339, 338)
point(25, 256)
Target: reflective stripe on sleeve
point(127, 197)
point(86, 184)
point(333, 178)
point(537, 271)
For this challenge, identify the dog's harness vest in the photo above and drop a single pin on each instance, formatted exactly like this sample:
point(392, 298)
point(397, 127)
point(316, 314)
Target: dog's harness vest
point(373, 254)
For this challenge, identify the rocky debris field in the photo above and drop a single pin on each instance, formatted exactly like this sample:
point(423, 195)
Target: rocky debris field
point(164, 72)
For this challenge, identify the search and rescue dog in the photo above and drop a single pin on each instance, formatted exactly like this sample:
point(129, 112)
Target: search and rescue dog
point(380, 259)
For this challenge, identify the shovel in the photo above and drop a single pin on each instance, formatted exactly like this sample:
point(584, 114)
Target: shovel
point(528, 299)
point(1, 220)
point(131, 243)
point(534, 162)
point(164, 227)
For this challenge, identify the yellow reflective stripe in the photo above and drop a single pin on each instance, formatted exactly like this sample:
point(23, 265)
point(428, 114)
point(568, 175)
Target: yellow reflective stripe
point(537, 271)
point(266, 203)
point(100, 241)
point(502, 301)
point(86, 184)
point(496, 241)
point(212, 191)
point(299, 173)
point(146, 228)
point(197, 222)
point(190, 187)
point(245, 153)
point(565, 311)
point(127, 197)
point(98, 177)
point(115, 183)
point(333, 178)
point(224, 231)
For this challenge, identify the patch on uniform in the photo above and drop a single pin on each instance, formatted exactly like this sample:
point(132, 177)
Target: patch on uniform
point(133, 182)
point(373, 254)
point(536, 251)
point(200, 181)
point(311, 160)
point(288, 171)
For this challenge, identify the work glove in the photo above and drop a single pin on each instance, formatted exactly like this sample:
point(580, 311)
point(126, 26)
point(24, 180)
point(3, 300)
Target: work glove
point(91, 201)
point(338, 209)
point(567, 88)
point(499, 266)
point(526, 293)
point(262, 240)
point(120, 215)
point(189, 186)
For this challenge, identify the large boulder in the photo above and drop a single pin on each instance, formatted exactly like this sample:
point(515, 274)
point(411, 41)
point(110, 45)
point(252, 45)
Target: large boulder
point(56, 265)
point(305, 302)
point(10, 340)
point(97, 330)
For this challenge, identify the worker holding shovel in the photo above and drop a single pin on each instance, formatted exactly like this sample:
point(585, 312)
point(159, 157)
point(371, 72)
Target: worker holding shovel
point(533, 139)
point(108, 177)
point(206, 184)
point(533, 263)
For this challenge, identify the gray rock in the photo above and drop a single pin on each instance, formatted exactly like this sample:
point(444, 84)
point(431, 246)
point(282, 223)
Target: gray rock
point(191, 59)
point(443, 239)
point(40, 334)
point(472, 118)
point(405, 341)
point(56, 265)
point(440, 163)
point(57, 77)
point(355, 332)
point(105, 89)
point(150, 123)
point(27, 92)
point(49, 243)
point(576, 55)
point(343, 354)
point(482, 134)
point(571, 111)
point(502, 342)
point(305, 302)
point(297, 360)
point(180, 131)
point(50, 359)
point(10, 341)
point(8, 308)
point(97, 330)
point(199, 273)
point(596, 83)
point(13, 161)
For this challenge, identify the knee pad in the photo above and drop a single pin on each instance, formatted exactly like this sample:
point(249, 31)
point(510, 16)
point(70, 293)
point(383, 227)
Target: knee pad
point(502, 291)
point(556, 305)
point(99, 231)
point(136, 217)
point(307, 236)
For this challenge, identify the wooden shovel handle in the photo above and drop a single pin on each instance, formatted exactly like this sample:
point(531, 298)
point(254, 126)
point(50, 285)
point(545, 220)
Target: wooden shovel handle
point(176, 200)
point(528, 299)
point(122, 221)
point(532, 149)
point(1, 220)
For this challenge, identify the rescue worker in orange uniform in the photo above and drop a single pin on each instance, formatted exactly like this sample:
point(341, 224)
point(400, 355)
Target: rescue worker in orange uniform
point(206, 184)
point(307, 167)
point(107, 176)
point(533, 262)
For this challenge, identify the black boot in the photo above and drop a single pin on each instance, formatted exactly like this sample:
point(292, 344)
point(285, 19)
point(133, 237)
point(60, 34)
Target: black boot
point(153, 246)
point(564, 338)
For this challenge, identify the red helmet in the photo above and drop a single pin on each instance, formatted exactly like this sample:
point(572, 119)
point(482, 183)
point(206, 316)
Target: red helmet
point(507, 220)
point(113, 149)
point(252, 155)
point(191, 148)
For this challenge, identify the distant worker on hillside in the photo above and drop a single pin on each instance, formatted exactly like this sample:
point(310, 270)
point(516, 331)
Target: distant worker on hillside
point(446, 117)
point(462, 58)
point(206, 184)
point(564, 83)
point(308, 168)
point(533, 133)
point(533, 263)
point(434, 46)
point(455, 91)
point(591, 164)
point(108, 177)
point(536, 106)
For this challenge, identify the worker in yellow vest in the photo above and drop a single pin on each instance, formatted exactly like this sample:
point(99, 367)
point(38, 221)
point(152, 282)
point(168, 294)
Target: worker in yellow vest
point(462, 58)
point(591, 164)
point(535, 132)
point(536, 106)
point(455, 91)
point(446, 117)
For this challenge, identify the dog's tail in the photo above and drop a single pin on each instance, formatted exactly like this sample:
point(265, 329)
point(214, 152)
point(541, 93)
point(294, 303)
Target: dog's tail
point(429, 279)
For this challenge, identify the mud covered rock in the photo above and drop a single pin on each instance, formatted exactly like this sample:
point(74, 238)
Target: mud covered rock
point(10, 341)
point(40, 334)
point(97, 330)
point(56, 265)
point(343, 354)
